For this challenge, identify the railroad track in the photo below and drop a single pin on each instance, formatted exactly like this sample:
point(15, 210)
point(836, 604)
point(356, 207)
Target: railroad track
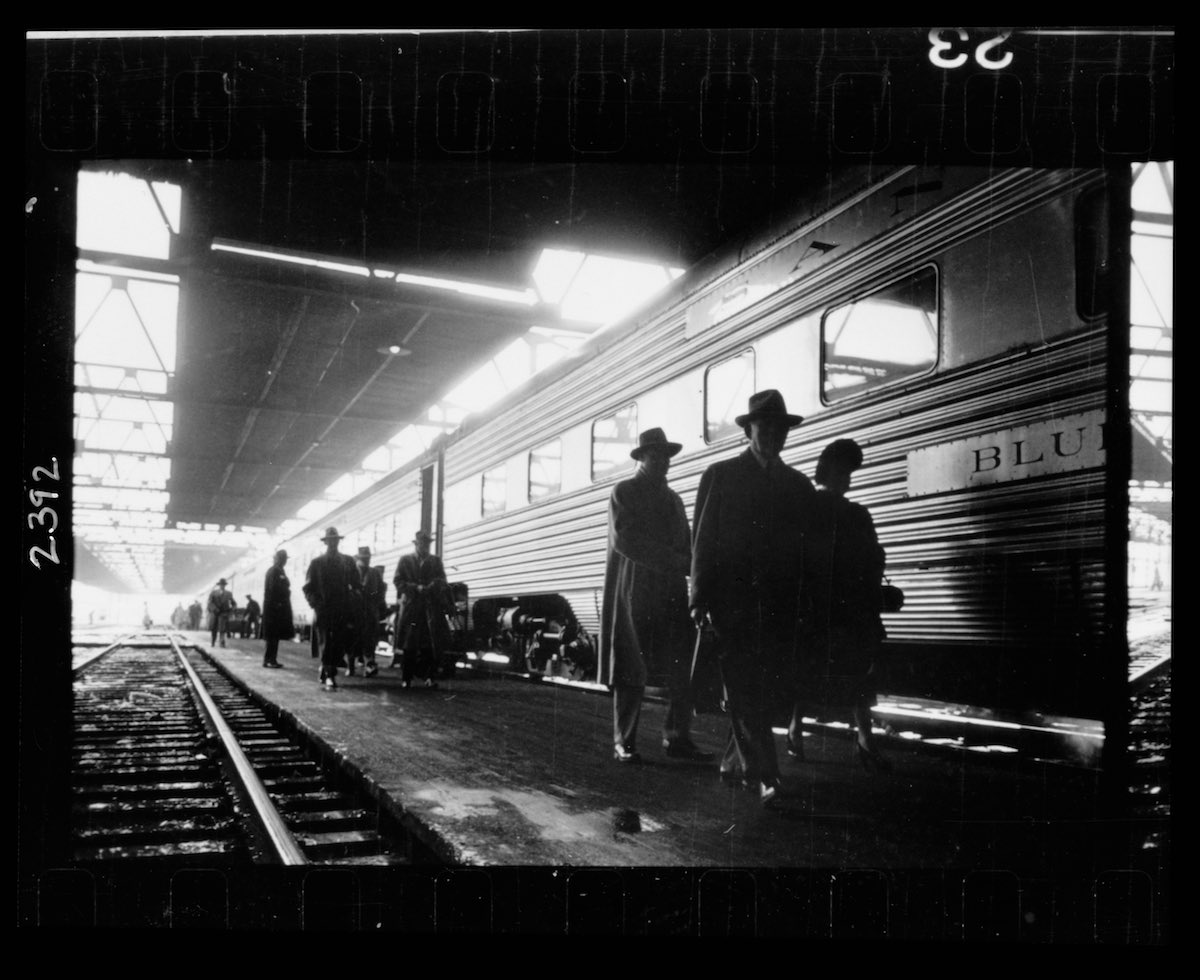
point(1150, 756)
point(172, 763)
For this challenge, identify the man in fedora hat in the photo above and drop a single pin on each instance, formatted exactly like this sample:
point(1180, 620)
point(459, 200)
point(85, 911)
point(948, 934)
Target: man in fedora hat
point(747, 550)
point(220, 604)
point(421, 595)
point(644, 622)
point(374, 608)
point(332, 589)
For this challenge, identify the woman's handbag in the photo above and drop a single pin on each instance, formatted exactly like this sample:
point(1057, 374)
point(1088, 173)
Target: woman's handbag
point(891, 598)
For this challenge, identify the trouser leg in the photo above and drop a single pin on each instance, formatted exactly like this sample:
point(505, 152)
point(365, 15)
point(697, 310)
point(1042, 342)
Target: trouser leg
point(367, 641)
point(627, 710)
point(751, 729)
point(732, 760)
point(327, 641)
point(677, 725)
point(271, 653)
point(795, 726)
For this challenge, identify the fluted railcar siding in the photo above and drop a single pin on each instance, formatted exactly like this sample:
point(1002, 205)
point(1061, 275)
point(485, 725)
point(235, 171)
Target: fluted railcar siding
point(967, 559)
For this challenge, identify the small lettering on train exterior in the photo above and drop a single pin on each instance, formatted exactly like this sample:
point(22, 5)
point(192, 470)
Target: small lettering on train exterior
point(1064, 445)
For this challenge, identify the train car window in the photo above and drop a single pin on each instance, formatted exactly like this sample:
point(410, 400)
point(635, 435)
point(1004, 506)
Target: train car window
point(727, 388)
point(545, 470)
point(1091, 254)
point(461, 502)
point(495, 491)
point(880, 338)
point(612, 439)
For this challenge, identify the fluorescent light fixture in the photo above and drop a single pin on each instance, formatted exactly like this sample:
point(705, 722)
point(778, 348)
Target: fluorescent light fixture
point(293, 257)
point(524, 297)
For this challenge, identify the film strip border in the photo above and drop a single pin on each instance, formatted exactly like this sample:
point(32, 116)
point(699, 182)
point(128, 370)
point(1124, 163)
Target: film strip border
point(1044, 96)
point(1117, 906)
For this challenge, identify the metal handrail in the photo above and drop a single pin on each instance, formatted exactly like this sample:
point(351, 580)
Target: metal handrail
point(273, 823)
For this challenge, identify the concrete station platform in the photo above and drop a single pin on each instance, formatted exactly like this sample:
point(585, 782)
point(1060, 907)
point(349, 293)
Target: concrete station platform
point(496, 770)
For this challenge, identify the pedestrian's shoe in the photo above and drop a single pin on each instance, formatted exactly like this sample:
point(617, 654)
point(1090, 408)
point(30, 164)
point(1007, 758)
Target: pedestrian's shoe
point(768, 792)
point(623, 754)
point(276, 664)
point(371, 670)
point(330, 684)
point(686, 749)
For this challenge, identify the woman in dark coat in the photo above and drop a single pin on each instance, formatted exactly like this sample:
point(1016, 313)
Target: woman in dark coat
point(277, 621)
point(843, 570)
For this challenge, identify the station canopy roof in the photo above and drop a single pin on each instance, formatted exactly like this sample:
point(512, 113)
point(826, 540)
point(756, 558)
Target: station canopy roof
point(294, 351)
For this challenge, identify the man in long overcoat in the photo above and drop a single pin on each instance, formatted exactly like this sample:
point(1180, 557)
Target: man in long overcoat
point(277, 623)
point(332, 589)
point(374, 608)
point(421, 595)
point(220, 604)
point(644, 623)
point(747, 551)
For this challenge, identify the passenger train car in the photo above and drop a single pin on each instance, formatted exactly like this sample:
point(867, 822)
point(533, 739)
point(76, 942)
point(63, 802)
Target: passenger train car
point(956, 322)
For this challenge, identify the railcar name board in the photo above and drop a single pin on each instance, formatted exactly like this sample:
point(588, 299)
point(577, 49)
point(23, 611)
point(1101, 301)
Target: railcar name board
point(1073, 442)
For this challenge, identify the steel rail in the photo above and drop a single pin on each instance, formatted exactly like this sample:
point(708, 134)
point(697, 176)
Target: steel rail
point(272, 822)
point(121, 641)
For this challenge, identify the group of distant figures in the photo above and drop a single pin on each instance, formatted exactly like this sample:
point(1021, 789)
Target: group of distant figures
point(221, 608)
point(350, 611)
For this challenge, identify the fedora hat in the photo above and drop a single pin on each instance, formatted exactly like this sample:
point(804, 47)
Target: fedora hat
point(422, 535)
point(768, 404)
point(222, 581)
point(364, 552)
point(331, 534)
point(654, 439)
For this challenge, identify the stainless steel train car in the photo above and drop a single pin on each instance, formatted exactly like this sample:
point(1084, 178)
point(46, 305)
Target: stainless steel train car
point(957, 322)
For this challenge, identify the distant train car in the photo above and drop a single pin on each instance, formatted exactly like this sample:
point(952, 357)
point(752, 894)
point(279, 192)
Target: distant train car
point(953, 321)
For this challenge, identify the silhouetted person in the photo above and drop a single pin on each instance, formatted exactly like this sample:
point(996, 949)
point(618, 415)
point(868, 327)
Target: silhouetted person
point(645, 625)
point(195, 611)
point(251, 620)
point(374, 608)
point(220, 604)
point(843, 571)
point(277, 621)
point(421, 595)
point(747, 546)
point(331, 588)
